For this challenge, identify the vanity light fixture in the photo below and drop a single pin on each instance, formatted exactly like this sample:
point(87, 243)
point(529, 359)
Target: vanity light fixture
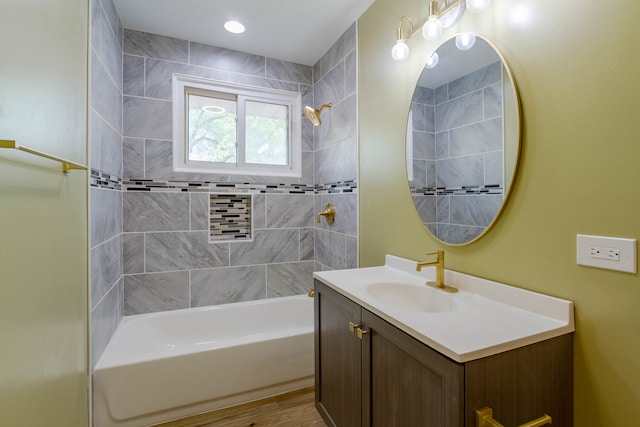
point(400, 51)
point(433, 59)
point(441, 15)
point(465, 41)
point(432, 29)
point(477, 5)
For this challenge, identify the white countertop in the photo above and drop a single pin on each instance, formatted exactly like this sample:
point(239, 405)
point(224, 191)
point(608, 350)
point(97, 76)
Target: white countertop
point(488, 318)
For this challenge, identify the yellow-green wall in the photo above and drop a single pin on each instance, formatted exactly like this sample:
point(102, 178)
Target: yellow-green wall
point(44, 375)
point(577, 66)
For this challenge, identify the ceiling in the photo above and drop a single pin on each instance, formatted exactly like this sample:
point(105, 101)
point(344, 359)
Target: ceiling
point(299, 31)
point(455, 63)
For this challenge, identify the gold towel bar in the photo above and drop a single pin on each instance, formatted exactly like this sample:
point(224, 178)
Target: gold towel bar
point(66, 164)
point(484, 418)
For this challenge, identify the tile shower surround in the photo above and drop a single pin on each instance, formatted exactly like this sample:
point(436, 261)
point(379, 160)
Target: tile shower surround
point(458, 156)
point(105, 155)
point(168, 261)
point(329, 152)
point(330, 155)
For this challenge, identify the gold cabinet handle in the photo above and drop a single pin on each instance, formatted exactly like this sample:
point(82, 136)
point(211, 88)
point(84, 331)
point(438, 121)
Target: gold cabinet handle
point(353, 326)
point(545, 419)
point(361, 333)
point(484, 418)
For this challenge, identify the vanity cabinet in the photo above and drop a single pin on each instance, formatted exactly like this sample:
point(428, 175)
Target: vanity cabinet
point(338, 358)
point(371, 373)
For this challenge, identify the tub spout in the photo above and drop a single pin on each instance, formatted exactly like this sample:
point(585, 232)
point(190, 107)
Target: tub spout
point(312, 293)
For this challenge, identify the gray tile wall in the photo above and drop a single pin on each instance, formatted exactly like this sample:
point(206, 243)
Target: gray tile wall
point(336, 152)
point(458, 141)
point(424, 138)
point(168, 261)
point(335, 141)
point(149, 61)
point(105, 155)
point(468, 127)
point(170, 264)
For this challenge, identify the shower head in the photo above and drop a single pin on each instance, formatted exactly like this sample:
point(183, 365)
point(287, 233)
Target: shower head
point(314, 115)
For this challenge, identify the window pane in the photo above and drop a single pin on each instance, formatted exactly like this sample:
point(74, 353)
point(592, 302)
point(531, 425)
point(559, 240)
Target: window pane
point(267, 133)
point(212, 129)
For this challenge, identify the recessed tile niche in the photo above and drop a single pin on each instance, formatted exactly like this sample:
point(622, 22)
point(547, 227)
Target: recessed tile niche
point(230, 217)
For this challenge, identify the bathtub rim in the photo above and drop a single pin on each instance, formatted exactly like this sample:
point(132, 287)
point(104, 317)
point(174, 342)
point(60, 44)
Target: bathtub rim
point(106, 360)
point(178, 311)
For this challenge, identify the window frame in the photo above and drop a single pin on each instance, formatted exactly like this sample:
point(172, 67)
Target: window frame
point(181, 162)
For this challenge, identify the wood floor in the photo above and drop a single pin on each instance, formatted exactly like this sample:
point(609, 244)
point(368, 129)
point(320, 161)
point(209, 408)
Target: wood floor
point(295, 409)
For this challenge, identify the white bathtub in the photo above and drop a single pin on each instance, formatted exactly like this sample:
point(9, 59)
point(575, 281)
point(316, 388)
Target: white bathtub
point(163, 366)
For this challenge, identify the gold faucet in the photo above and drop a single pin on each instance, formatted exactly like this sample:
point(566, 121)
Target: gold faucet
point(439, 264)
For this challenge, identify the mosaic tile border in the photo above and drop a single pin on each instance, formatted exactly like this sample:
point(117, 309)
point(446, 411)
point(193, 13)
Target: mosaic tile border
point(101, 179)
point(462, 190)
point(230, 187)
point(338, 187)
point(213, 187)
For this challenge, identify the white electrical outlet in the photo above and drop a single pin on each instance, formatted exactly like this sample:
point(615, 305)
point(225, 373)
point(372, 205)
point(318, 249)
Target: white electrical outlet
point(601, 252)
point(607, 252)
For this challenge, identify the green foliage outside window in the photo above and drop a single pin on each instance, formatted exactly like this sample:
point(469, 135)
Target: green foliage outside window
point(266, 139)
point(212, 136)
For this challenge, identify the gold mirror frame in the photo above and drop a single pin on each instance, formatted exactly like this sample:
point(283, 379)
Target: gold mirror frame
point(512, 123)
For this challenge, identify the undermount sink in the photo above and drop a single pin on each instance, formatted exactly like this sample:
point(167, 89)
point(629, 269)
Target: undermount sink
point(412, 297)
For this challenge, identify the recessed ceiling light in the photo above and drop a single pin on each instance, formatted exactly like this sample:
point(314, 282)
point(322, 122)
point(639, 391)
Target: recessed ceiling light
point(234, 27)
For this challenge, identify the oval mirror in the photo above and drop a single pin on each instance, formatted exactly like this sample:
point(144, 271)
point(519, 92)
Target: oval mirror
point(463, 140)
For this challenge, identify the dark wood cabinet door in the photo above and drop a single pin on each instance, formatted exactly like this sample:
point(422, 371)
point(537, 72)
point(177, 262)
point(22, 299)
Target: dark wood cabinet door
point(523, 384)
point(405, 383)
point(338, 357)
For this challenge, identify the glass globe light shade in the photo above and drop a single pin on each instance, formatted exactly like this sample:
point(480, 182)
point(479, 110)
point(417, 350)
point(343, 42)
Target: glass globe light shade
point(477, 5)
point(433, 60)
point(432, 28)
point(452, 17)
point(465, 41)
point(400, 51)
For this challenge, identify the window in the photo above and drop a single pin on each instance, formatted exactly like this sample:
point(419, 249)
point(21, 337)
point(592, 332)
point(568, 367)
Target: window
point(231, 129)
